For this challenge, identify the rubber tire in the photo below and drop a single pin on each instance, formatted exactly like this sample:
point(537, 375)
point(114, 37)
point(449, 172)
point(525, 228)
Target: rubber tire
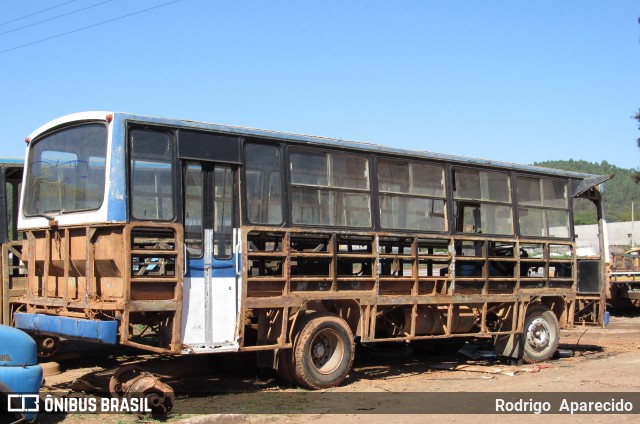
point(285, 366)
point(330, 337)
point(47, 345)
point(541, 334)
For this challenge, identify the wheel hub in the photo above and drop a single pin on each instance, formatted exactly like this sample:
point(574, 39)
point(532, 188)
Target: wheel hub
point(318, 350)
point(325, 351)
point(538, 334)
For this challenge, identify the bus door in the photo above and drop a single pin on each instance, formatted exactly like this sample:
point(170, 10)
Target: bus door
point(212, 266)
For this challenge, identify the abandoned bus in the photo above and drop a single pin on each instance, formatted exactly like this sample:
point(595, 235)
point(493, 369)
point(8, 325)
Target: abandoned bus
point(12, 278)
point(182, 237)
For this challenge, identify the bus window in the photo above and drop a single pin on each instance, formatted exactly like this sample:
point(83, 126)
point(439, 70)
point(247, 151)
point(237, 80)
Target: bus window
point(330, 189)
point(152, 175)
point(264, 184)
point(194, 177)
point(411, 195)
point(223, 215)
point(61, 178)
point(490, 193)
point(543, 207)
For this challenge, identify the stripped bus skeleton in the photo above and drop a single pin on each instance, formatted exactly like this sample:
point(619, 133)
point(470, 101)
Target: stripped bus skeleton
point(184, 238)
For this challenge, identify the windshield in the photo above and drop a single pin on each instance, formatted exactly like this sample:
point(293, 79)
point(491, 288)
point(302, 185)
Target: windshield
point(66, 171)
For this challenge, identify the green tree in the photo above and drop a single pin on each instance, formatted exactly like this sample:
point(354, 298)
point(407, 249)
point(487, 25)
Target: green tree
point(636, 177)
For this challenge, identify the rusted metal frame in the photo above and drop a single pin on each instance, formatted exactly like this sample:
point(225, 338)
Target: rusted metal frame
point(126, 292)
point(47, 262)
point(66, 257)
point(79, 304)
point(451, 275)
point(266, 347)
point(147, 347)
point(284, 328)
point(153, 305)
point(176, 334)
point(483, 318)
point(4, 287)
point(447, 330)
point(286, 267)
point(485, 267)
point(333, 264)
point(91, 284)
point(32, 278)
point(372, 309)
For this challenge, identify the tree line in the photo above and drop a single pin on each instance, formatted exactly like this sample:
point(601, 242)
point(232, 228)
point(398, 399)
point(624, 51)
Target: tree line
point(618, 194)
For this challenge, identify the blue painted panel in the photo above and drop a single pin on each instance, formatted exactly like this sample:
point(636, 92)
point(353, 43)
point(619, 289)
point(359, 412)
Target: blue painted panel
point(73, 328)
point(195, 268)
point(220, 268)
point(117, 210)
point(22, 379)
point(224, 268)
point(17, 348)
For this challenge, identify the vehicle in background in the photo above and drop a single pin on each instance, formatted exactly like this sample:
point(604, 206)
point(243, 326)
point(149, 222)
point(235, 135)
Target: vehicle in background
point(20, 375)
point(12, 274)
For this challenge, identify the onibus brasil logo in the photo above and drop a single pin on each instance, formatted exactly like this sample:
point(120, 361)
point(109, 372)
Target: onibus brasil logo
point(32, 403)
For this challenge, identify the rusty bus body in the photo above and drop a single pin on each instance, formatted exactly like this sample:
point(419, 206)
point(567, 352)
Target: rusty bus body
point(182, 237)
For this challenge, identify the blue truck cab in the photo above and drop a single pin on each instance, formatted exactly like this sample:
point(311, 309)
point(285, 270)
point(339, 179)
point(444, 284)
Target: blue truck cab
point(20, 373)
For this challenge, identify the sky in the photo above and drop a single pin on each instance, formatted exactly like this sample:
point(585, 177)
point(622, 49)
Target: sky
point(512, 81)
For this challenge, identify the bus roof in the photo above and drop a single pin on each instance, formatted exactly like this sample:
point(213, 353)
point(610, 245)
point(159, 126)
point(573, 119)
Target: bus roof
point(314, 140)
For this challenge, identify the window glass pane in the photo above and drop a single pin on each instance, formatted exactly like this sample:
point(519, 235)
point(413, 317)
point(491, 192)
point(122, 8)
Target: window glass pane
point(427, 180)
point(264, 187)
point(531, 222)
point(353, 210)
point(66, 172)
point(309, 168)
point(350, 171)
point(223, 212)
point(482, 185)
point(312, 206)
point(496, 219)
point(327, 207)
point(342, 201)
point(555, 193)
point(274, 211)
point(193, 179)
point(412, 213)
point(558, 223)
point(529, 191)
point(152, 175)
point(393, 176)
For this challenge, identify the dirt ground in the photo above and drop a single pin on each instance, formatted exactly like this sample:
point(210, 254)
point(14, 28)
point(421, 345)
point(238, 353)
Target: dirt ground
point(386, 384)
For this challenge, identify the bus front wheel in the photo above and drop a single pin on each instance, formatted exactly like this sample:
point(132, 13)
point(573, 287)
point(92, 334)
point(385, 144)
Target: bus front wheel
point(541, 334)
point(323, 351)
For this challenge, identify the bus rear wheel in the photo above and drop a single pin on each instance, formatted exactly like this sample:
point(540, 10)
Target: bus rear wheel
point(541, 334)
point(323, 352)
